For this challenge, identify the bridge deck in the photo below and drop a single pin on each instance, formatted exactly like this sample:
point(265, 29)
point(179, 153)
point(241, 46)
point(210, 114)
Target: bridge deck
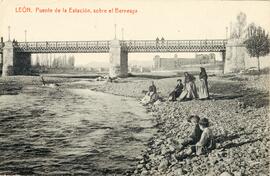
point(131, 46)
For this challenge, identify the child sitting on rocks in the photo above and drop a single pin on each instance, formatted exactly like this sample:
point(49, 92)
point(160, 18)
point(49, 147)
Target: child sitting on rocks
point(205, 142)
point(196, 133)
point(201, 139)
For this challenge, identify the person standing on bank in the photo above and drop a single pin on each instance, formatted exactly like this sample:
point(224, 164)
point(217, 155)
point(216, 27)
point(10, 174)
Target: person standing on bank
point(203, 91)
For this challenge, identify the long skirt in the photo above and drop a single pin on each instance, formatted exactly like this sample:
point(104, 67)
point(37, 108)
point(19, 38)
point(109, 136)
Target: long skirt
point(203, 89)
point(150, 97)
point(190, 92)
point(174, 94)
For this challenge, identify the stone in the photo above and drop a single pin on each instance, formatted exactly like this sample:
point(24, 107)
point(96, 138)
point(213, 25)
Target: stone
point(148, 166)
point(179, 172)
point(140, 166)
point(163, 165)
point(171, 148)
point(142, 161)
point(144, 173)
point(225, 174)
point(164, 150)
point(236, 173)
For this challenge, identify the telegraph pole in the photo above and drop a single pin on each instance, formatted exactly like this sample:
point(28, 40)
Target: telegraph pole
point(25, 33)
point(8, 33)
point(122, 33)
point(115, 31)
point(226, 32)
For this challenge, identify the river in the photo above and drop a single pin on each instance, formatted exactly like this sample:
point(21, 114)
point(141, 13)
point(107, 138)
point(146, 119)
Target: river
point(52, 131)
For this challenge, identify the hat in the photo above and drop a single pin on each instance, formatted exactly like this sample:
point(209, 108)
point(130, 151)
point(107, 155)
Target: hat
point(193, 116)
point(204, 122)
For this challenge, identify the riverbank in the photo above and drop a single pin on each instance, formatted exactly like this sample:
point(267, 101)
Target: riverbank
point(238, 112)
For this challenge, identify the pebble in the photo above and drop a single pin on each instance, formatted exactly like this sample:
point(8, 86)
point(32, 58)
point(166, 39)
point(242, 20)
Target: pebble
point(225, 174)
point(163, 165)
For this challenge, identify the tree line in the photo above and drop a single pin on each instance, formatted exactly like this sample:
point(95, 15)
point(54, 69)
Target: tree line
point(54, 62)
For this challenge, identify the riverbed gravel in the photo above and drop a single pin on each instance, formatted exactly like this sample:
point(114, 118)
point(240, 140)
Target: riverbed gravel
point(238, 113)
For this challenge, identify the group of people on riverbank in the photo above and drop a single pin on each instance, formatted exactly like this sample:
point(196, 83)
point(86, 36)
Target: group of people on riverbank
point(186, 91)
point(189, 90)
point(201, 139)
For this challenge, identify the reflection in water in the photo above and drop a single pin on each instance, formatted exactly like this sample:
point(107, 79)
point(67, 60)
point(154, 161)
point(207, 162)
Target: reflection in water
point(77, 131)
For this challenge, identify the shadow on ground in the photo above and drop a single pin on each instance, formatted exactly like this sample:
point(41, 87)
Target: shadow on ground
point(237, 90)
point(153, 76)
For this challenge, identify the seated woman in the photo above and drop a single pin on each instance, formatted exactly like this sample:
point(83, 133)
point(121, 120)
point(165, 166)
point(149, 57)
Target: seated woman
point(177, 91)
point(190, 91)
point(151, 96)
point(203, 89)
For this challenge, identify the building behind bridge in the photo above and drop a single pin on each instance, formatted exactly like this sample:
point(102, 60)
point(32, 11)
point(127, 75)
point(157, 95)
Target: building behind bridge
point(188, 64)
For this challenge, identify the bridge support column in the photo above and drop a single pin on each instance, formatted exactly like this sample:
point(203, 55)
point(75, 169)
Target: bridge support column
point(22, 63)
point(15, 63)
point(8, 59)
point(236, 54)
point(118, 60)
point(124, 63)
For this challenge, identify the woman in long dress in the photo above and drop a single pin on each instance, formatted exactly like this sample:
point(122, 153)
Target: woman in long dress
point(203, 91)
point(190, 91)
point(151, 96)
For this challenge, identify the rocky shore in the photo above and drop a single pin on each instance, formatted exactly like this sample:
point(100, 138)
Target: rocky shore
point(238, 112)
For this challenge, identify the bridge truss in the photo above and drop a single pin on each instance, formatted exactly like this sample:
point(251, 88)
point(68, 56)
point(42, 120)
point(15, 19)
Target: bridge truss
point(131, 46)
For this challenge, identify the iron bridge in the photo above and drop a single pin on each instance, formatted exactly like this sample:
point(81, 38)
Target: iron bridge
point(130, 46)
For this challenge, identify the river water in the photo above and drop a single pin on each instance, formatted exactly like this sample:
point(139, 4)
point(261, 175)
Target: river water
point(52, 131)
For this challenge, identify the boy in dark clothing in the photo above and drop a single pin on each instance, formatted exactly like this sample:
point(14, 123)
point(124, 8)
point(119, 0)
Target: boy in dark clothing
point(201, 139)
point(196, 133)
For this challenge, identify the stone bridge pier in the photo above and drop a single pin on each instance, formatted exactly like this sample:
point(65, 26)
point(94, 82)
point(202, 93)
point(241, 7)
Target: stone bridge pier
point(15, 63)
point(235, 57)
point(118, 60)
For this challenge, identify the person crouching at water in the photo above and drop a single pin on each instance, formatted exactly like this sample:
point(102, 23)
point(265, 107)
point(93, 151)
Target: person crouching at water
point(177, 91)
point(151, 96)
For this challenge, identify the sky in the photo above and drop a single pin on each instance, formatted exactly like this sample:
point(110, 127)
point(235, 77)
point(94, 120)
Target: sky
point(171, 19)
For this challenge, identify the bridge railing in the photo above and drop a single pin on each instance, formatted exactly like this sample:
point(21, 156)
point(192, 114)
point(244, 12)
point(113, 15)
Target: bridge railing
point(173, 45)
point(129, 45)
point(145, 43)
point(63, 46)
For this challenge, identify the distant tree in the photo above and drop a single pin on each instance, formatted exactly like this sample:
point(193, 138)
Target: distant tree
point(71, 62)
point(257, 42)
point(37, 61)
point(240, 25)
